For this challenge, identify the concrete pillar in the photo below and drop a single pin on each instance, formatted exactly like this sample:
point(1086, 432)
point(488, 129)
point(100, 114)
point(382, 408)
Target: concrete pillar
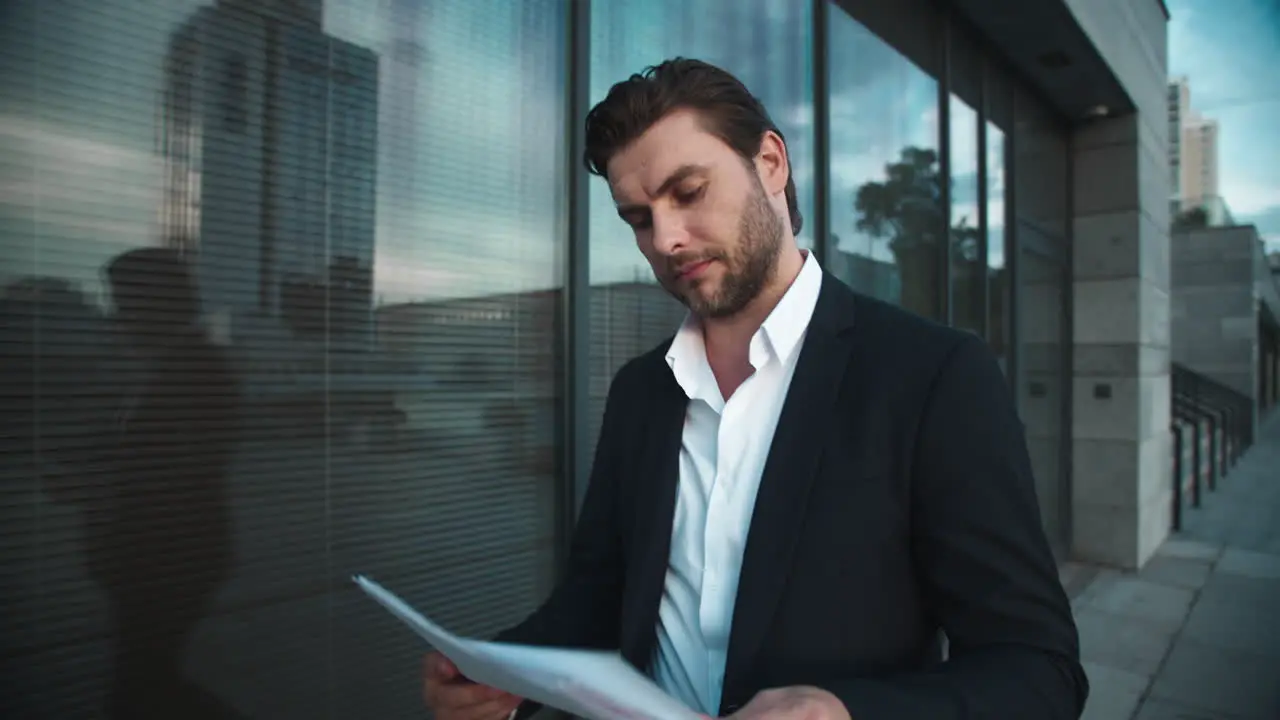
point(1122, 448)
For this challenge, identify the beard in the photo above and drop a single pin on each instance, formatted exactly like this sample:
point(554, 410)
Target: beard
point(748, 266)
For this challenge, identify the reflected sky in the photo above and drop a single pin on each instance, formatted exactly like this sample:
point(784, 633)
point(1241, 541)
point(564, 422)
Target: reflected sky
point(470, 174)
point(995, 196)
point(880, 104)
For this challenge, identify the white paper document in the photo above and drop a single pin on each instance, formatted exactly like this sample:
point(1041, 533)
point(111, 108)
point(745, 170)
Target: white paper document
point(592, 684)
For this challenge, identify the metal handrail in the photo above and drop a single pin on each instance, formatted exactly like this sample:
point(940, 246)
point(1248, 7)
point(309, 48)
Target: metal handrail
point(1199, 401)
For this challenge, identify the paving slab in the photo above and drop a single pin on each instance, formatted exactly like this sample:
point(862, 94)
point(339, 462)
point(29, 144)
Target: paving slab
point(1249, 563)
point(1188, 549)
point(1132, 597)
point(1113, 693)
point(1123, 643)
point(1165, 710)
point(1216, 680)
point(1186, 573)
point(1238, 613)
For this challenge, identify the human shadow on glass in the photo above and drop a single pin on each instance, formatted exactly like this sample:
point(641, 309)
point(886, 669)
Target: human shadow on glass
point(151, 483)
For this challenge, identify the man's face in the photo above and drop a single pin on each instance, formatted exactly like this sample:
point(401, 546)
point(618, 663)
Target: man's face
point(700, 214)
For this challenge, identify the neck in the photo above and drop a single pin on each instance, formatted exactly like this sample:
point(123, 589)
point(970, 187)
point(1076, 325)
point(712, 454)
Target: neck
point(728, 339)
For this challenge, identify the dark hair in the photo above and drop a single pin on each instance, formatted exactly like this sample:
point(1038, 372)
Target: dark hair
point(155, 283)
point(728, 109)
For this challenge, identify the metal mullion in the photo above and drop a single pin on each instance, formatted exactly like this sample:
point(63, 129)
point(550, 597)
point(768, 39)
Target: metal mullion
point(1011, 248)
point(984, 289)
point(575, 313)
point(944, 165)
point(822, 134)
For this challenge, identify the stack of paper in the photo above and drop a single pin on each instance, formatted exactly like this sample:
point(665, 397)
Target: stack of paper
point(592, 684)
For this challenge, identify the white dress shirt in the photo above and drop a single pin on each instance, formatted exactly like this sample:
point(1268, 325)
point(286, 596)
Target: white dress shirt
point(722, 455)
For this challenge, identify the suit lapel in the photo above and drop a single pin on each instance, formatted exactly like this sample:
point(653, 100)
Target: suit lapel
point(657, 478)
point(789, 472)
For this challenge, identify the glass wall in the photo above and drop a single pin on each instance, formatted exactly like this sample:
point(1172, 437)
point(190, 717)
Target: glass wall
point(280, 295)
point(282, 287)
point(884, 205)
point(768, 45)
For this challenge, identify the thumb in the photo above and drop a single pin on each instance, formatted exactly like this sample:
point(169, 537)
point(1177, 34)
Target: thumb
point(442, 667)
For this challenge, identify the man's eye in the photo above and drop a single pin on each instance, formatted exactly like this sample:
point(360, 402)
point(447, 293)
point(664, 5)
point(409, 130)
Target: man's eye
point(688, 196)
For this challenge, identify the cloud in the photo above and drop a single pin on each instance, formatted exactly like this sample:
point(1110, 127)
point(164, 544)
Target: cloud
point(1267, 220)
point(1246, 198)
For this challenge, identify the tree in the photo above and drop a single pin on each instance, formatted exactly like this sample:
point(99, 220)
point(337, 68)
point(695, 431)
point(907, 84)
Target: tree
point(1194, 219)
point(906, 207)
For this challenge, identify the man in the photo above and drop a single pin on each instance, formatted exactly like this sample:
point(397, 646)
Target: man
point(798, 494)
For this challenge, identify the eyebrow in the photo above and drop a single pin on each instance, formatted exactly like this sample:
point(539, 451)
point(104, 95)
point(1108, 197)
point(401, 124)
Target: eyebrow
point(681, 173)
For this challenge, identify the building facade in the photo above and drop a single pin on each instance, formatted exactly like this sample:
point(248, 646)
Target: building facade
point(1224, 310)
point(412, 300)
point(1179, 108)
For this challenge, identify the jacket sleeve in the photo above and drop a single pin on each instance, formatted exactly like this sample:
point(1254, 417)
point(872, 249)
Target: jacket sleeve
point(584, 610)
point(985, 563)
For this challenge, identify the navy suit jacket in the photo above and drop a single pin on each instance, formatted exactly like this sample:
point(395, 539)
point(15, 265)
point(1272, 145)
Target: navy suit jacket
point(897, 503)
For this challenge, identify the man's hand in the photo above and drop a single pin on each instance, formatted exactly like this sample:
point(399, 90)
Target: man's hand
point(793, 703)
point(450, 696)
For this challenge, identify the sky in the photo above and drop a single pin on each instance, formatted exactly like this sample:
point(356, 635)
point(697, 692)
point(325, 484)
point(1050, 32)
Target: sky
point(1230, 52)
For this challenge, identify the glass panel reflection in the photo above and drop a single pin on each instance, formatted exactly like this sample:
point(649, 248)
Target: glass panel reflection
point(767, 44)
point(998, 298)
point(280, 301)
point(967, 265)
point(885, 205)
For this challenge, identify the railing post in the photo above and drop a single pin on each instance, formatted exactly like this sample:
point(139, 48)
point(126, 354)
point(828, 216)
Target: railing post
point(1196, 468)
point(1234, 435)
point(1177, 476)
point(1214, 447)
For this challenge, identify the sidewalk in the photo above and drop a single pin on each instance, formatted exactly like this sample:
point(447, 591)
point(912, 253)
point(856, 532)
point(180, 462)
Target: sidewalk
point(1196, 634)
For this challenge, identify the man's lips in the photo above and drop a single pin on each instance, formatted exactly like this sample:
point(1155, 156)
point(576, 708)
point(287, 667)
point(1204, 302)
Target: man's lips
point(691, 270)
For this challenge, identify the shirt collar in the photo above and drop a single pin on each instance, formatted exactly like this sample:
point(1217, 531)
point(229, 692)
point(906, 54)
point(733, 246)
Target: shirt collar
point(778, 338)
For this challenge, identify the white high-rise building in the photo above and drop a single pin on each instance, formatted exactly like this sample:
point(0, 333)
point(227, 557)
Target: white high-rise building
point(1193, 150)
point(1199, 162)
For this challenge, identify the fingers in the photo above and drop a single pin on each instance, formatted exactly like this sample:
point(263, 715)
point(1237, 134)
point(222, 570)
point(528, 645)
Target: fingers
point(490, 705)
point(499, 709)
point(451, 696)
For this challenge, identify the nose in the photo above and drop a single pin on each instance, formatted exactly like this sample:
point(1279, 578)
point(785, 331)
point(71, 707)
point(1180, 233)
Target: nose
point(669, 235)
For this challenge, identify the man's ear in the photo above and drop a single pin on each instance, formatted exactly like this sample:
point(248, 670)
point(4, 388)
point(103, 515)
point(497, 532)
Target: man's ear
point(772, 163)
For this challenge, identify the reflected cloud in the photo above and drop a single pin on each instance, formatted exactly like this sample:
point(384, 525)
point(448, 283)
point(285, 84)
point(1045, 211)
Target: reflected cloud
point(96, 197)
point(47, 138)
point(1256, 199)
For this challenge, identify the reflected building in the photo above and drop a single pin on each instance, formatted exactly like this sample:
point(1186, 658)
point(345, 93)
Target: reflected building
point(269, 138)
